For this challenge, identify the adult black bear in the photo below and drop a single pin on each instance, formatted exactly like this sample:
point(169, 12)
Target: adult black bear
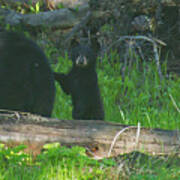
point(26, 79)
point(82, 84)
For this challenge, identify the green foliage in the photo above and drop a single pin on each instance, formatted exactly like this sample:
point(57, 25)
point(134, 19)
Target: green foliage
point(60, 6)
point(55, 153)
point(72, 160)
point(36, 8)
point(59, 162)
point(138, 97)
point(14, 156)
point(22, 8)
point(55, 161)
point(63, 104)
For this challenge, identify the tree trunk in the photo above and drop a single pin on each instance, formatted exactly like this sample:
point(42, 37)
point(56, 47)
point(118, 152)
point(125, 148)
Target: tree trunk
point(96, 136)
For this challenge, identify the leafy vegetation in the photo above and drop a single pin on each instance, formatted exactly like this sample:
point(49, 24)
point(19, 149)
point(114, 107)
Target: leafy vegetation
point(31, 7)
point(54, 162)
point(138, 96)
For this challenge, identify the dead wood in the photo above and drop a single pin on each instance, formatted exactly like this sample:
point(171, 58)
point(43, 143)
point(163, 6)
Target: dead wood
point(62, 18)
point(97, 136)
point(71, 3)
point(54, 3)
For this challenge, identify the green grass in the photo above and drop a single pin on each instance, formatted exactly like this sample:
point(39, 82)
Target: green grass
point(140, 97)
point(63, 105)
point(58, 162)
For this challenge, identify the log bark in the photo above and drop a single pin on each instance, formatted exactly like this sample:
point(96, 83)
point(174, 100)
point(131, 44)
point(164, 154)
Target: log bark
point(62, 18)
point(55, 3)
point(71, 3)
point(96, 136)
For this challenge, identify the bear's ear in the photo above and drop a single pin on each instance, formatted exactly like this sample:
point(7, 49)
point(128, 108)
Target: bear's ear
point(74, 42)
point(94, 44)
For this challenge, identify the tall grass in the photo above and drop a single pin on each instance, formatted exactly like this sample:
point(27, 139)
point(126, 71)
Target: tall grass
point(138, 97)
point(63, 105)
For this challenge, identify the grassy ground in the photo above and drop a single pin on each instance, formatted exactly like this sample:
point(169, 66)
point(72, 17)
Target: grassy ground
point(139, 97)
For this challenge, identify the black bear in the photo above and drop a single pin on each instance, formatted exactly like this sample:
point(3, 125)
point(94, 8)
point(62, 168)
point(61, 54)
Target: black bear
point(26, 79)
point(82, 84)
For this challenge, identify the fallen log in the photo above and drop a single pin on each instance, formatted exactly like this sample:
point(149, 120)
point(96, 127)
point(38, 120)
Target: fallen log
point(102, 139)
point(62, 18)
point(66, 17)
point(71, 3)
point(54, 3)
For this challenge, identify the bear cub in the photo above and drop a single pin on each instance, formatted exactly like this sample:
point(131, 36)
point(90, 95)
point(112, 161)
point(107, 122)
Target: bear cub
point(26, 79)
point(82, 84)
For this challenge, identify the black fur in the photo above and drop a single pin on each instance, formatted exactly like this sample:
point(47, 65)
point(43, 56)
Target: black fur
point(26, 79)
point(82, 84)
